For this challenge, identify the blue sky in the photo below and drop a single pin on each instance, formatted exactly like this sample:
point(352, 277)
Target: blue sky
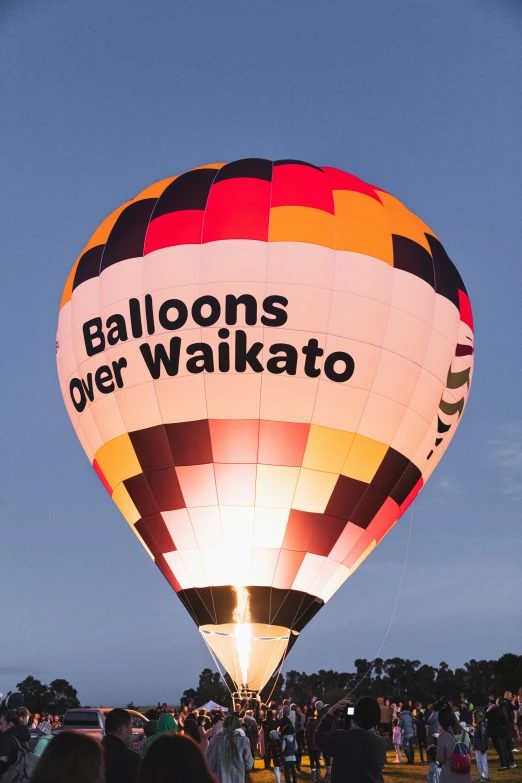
point(100, 99)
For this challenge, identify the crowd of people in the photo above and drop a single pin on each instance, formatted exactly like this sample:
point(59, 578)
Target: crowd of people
point(347, 741)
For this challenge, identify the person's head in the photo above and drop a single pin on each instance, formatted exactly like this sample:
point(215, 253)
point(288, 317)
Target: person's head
point(367, 713)
point(508, 695)
point(185, 709)
point(448, 720)
point(250, 713)
point(286, 701)
point(165, 724)
point(9, 719)
point(319, 705)
point(431, 754)
point(274, 735)
point(231, 723)
point(45, 727)
point(174, 758)
point(288, 730)
point(203, 711)
point(478, 717)
point(387, 702)
point(118, 723)
point(418, 705)
point(13, 701)
point(293, 707)
point(395, 722)
point(71, 758)
point(24, 715)
point(286, 710)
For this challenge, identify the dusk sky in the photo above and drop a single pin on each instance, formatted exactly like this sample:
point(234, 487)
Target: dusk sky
point(100, 99)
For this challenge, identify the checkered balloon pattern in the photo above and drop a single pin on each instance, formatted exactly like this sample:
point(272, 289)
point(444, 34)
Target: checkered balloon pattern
point(264, 362)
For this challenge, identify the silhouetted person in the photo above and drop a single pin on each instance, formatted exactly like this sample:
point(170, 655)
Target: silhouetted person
point(121, 763)
point(358, 754)
point(71, 758)
point(174, 758)
point(13, 734)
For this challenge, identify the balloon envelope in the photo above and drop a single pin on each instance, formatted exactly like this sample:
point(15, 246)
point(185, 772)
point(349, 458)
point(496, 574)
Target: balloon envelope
point(264, 362)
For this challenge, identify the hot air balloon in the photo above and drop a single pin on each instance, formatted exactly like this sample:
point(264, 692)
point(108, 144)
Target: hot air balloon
point(264, 362)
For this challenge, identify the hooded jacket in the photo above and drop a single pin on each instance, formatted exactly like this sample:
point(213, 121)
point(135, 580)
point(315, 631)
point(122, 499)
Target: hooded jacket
point(165, 725)
point(432, 723)
point(497, 720)
point(9, 741)
point(407, 722)
point(310, 729)
point(42, 743)
point(242, 762)
point(286, 720)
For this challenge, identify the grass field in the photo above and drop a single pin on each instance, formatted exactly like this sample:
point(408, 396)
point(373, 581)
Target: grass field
point(394, 773)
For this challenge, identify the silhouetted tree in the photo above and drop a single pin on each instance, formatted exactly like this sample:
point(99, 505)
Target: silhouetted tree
point(190, 695)
point(398, 679)
point(34, 693)
point(211, 688)
point(509, 669)
point(62, 696)
point(57, 697)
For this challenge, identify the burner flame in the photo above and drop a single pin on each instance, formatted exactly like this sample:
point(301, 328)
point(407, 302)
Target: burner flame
point(243, 634)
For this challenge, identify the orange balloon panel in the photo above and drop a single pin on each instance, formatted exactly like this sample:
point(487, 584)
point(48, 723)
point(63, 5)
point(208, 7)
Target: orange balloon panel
point(264, 362)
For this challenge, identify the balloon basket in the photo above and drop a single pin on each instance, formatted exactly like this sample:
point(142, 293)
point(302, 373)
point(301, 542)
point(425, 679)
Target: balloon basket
point(247, 700)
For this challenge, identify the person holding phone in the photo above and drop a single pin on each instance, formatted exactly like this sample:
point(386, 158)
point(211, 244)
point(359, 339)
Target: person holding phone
point(358, 754)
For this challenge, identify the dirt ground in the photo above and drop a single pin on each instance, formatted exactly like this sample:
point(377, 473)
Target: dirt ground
point(394, 773)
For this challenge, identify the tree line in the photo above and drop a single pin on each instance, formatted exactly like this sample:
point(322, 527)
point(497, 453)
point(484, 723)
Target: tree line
point(398, 679)
point(56, 698)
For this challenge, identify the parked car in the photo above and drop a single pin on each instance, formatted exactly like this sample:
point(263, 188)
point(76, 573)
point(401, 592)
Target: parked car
point(91, 721)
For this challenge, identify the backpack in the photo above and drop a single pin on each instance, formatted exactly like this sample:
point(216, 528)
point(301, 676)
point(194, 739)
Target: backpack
point(290, 748)
point(460, 757)
point(22, 768)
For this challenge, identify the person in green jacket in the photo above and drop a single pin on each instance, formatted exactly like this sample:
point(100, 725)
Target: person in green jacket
point(46, 729)
point(165, 725)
